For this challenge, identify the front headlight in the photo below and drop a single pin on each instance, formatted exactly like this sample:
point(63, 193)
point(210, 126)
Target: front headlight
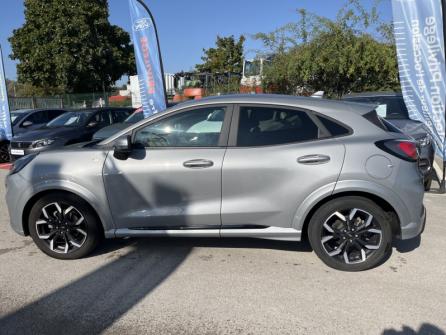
point(424, 141)
point(43, 143)
point(19, 164)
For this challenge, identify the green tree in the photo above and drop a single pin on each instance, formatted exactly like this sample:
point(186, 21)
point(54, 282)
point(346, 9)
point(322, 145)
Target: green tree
point(70, 46)
point(226, 57)
point(352, 53)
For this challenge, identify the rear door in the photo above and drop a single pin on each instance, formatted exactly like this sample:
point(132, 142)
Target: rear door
point(276, 158)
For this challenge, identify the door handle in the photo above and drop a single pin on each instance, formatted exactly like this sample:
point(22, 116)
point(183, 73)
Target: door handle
point(198, 164)
point(313, 159)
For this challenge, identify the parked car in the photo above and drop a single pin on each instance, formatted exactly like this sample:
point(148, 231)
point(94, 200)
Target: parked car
point(69, 128)
point(114, 128)
point(391, 107)
point(106, 132)
point(262, 166)
point(25, 120)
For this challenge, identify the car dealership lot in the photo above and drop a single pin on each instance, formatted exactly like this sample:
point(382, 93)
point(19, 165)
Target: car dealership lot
point(210, 286)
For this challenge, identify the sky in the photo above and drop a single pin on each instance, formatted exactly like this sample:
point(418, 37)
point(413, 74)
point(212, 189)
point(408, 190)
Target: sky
point(186, 27)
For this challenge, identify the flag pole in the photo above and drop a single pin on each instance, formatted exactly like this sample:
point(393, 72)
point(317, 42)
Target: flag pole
point(141, 2)
point(443, 181)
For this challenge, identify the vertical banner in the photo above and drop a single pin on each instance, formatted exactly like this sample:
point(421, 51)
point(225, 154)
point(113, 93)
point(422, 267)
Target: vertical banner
point(5, 117)
point(148, 59)
point(419, 37)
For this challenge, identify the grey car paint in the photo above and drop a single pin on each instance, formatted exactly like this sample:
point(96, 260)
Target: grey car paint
point(262, 186)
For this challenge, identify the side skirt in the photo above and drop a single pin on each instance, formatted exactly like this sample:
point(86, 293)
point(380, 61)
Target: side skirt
point(269, 233)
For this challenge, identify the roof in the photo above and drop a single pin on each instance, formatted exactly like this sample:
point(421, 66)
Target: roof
point(316, 104)
point(372, 94)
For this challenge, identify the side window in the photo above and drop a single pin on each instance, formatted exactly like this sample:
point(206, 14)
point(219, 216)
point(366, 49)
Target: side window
point(334, 128)
point(119, 116)
point(37, 117)
point(54, 113)
point(195, 128)
point(259, 126)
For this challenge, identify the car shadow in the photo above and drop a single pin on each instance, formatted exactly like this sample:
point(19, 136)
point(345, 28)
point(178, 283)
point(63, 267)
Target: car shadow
point(425, 329)
point(405, 246)
point(112, 245)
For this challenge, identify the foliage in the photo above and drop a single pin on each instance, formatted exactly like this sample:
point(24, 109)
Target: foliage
point(336, 56)
point(70, 46)
point(226, 57)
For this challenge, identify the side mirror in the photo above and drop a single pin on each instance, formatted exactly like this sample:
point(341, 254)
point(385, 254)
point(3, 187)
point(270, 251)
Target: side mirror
point(92, 124)
point(27, 124)
point(122, 147)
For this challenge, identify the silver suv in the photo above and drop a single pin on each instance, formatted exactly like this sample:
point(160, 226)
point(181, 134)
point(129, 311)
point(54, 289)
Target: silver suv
point(273, 167)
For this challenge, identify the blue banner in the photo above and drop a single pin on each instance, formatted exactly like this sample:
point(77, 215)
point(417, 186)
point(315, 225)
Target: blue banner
point(148, 61)
point(5, 117)
point(418, 29)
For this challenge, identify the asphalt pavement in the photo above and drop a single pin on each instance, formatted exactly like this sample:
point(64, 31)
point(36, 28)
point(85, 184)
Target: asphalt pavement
point(212, 286)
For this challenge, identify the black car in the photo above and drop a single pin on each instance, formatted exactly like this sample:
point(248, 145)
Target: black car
point(69, 128)
point(106, 132)
point(137, 116)
point(391, 106)
point(25, 120)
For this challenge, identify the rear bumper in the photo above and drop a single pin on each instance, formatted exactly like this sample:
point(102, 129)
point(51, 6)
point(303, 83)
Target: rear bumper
point(414, 229)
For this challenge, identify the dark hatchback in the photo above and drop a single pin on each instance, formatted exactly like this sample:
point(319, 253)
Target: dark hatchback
point(25, 120)
point(69, 128)
point(391, 106)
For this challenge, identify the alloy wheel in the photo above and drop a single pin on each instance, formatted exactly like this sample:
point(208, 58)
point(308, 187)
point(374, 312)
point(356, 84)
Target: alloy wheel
point(351, 236)
point(4, 154)
point(62, 227)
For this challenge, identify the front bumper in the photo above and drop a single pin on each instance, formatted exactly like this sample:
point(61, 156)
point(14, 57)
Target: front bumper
point(16, 190)
point(416, 228)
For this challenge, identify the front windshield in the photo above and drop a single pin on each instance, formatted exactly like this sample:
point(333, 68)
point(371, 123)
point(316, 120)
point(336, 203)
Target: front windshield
point(252, 68)
point(70, 119)
point(16, 117)
point(135, 117)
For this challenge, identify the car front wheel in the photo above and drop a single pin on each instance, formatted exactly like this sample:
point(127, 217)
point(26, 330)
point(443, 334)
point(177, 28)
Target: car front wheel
point(351, 234)
point(63, 226)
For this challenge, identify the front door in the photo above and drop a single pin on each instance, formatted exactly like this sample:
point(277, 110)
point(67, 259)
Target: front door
point(172, 179)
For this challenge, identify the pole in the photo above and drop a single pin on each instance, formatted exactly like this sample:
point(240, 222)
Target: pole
point(443, 180)
point(141, 2)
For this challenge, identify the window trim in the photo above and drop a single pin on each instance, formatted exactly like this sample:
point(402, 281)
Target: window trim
point(233, 136)
point(224, 134)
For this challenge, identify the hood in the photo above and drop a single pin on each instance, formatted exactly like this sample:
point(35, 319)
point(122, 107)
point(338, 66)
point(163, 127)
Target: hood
point(47, 133)
point(109, 131)
point(413, 128)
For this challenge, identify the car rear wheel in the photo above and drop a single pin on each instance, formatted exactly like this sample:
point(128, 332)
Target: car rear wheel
point(351, 234)
point(63, 226)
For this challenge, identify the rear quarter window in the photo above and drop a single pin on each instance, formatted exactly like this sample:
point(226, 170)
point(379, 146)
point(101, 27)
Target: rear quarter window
point(334, 128)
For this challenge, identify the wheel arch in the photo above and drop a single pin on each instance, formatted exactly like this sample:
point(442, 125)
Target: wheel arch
point(39, 195)
point(393, 216)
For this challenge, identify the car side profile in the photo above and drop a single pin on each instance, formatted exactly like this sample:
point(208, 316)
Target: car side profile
point(266, 166)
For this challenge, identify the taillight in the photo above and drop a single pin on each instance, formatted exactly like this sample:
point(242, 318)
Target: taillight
point(403, 149)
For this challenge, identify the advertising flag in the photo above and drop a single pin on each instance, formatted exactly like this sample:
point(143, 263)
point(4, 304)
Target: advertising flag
point(419, 37)
point(148, 59)
point(5, 118)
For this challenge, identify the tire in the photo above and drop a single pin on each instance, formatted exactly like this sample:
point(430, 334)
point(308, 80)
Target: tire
point(428, 183)
point(366, 239)
point(4, 153)
point(64, 226)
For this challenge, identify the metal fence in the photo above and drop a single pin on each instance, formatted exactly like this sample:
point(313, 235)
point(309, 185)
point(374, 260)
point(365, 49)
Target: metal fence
point(64, 101)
